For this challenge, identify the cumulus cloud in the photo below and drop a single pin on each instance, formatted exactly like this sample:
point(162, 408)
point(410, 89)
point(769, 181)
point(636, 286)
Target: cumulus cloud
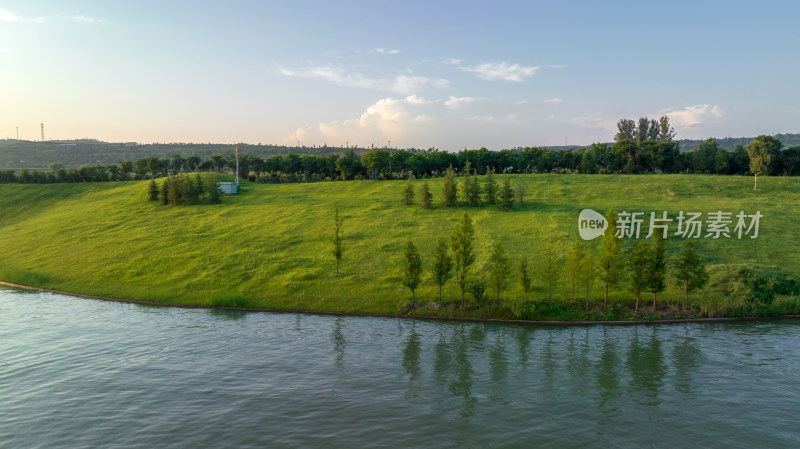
point(502, 71)
point(402, 84)
point(691, 116)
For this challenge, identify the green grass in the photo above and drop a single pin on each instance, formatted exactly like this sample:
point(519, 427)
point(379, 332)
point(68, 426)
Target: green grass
point(270, 246)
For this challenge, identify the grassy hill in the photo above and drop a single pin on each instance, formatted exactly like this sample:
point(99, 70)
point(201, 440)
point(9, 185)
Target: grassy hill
point(270, 245)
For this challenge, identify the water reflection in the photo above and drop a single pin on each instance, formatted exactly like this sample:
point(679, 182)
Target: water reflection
point(607, 376)
point(411, 353)
point(686, 357)
point(338, 342)
point(646, 365)
point(227, 314)
point(462, 385)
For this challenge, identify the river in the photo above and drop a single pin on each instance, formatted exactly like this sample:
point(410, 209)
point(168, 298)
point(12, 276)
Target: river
point(82, 373)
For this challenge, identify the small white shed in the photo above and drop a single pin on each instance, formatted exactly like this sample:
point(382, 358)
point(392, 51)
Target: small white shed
point(227, 188)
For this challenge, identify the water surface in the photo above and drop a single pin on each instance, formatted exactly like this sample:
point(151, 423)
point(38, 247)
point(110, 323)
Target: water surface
point(85, 373)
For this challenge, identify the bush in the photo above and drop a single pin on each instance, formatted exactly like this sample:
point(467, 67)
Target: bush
point(477, 288)
point(787, 304)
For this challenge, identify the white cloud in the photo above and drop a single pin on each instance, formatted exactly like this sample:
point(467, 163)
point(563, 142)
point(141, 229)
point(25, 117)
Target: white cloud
point(553, 100)
point(384, 51)
point(691, 116)
point(402, 84)
point(8, 16)
point(502, 71)
point(452, 61)
point(458, 101)
point(508, 118)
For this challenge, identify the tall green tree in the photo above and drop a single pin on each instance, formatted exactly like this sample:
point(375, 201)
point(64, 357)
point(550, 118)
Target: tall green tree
point(521, 190)
point(759, 155)
point(449, 189)
point(408, 194)
point(337, 238)
point(588, 273)
point(572, 267)
point(490, 188)
point(690, 273)
point(442, 265)
point(657, 268)
point(639, 264)
point(506, 195)
point(152, 190)
point(550, 261)
point(472, 190)
point(461, 242)
point(524, 278)
point(412, 270)
point(425, 197)
point(610, 262)
point(212, 189)
point(499, 267)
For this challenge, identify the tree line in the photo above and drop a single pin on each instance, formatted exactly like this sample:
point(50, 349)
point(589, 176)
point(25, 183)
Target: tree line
point(642, 269)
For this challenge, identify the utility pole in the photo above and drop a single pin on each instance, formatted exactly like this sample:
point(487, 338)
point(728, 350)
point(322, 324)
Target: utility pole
point(237, 165)
point(42, 132)
point(22, 172)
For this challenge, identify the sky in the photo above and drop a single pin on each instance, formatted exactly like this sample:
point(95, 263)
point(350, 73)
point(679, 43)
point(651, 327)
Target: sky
point(413, 74)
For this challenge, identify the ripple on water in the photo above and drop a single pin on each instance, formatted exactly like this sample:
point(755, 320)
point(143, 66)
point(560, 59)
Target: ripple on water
point(84, 373)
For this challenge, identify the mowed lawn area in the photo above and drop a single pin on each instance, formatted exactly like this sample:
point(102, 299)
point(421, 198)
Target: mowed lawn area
point(270, 247)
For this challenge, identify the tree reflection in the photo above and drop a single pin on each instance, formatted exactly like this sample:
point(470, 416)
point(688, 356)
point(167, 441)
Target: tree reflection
point(686, 357)
point(339, 342)
point(411, 353)
point(647, 367)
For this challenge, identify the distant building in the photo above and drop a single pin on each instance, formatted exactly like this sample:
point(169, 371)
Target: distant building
point(227, 188)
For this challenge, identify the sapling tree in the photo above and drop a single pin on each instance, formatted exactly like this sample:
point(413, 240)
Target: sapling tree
point(425, 196)
point(639, 263)
point(611, 265)
point(657, 267)
point(442, 265)
point(461, 242)
point(499, 268)
point(408, 194)
point(524, 278)
point(449, 188)
point(412, 270)
point(490, 188)
point(572, 266)
point(506, 195)
point(690, 273)
point(588, 273)
point(337, 249)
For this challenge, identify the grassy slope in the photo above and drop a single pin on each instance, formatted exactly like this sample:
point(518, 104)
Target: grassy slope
point(270, 244)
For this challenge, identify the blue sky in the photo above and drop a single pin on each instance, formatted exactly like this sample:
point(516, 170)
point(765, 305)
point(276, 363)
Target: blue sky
point(419, 74)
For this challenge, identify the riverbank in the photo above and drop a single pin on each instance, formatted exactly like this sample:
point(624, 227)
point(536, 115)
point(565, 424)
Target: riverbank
point(410, 316)
point(269, 248)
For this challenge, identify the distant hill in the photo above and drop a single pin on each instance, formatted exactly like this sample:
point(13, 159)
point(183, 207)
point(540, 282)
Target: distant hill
point(74, 153)
point(730, 143)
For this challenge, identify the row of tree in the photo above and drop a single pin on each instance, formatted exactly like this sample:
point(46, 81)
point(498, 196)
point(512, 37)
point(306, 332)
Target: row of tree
point(657, 153)
point(184, 189)
point(470, 191)
point(645, 267)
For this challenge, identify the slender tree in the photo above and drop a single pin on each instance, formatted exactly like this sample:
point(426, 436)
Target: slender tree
point(521, 190)
point(212, 189)
point(408, 194)
point(610, 263)
point(152, 190)
point(472, 190)
point(690, 273)
point(572, 267)
point(524, 279)
point(337, 238)
point(412, 270)
point(499, 267)
point(449, 188)
point(657, 267)
point(442, 265)
point(759, 159)
point(639, 264)
point(490, 188)
point(425, 196)
point(588, 273)
point(463, 234)
point(506, 195)
point(550, 264)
